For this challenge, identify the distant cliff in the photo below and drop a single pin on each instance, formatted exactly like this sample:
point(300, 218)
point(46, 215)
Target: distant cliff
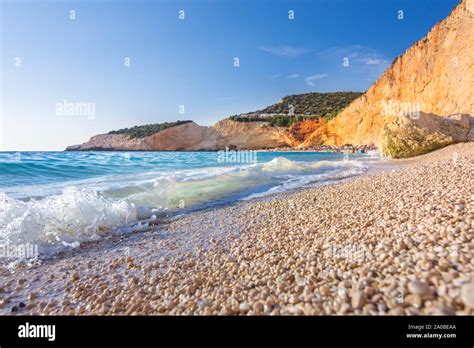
point(424, 101)
point(192, 137)
point(254, 130)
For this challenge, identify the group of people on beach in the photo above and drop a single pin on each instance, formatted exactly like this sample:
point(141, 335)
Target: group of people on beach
point(364, 148)
point(328, 148)
point(345, 148)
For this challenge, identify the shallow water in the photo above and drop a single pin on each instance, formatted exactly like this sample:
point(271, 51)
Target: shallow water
point(59, 199)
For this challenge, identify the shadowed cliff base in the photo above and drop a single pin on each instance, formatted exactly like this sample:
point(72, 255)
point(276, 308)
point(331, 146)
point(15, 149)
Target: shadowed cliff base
point(409, 137)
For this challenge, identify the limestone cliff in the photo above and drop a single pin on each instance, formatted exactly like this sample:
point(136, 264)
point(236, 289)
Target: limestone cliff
point(109, 142)
point(192, 137)
point(249, 135)
point(410, 109)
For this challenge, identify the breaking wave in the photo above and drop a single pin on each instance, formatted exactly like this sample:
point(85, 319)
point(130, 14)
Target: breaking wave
point(87, 209)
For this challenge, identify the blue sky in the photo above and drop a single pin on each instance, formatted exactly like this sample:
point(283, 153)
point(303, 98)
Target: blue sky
point(47, 59)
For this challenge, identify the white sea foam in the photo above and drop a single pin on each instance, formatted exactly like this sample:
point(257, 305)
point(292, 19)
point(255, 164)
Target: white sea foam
point(75, 215)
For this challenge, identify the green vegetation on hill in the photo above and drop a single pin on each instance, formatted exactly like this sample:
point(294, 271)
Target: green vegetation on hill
point(320, 104)
point(304, 106)
point(147, 129)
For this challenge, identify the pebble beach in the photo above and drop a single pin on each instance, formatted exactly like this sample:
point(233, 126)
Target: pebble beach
point(395, 242)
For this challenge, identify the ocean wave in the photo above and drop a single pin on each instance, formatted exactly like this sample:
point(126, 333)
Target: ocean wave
point(84, 212)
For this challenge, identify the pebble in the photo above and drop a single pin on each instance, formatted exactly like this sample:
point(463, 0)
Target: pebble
point(467, 295)
point(413, 300)
point(258, 307)
point(419, 288)
point(358, 299)
point(244, 307)
point(444, 311)
point(324, 290)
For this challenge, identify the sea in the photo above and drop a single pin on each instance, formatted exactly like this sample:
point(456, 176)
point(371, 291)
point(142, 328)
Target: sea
point(58, 200)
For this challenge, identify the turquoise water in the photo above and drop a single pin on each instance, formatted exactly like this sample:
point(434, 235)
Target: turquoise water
point(64, 198)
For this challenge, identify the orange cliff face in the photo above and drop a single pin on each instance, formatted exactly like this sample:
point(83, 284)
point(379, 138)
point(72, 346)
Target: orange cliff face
point(423, 101)
point(298, 132)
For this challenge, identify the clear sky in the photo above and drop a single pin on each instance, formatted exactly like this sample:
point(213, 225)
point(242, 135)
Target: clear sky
point(53, 59)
